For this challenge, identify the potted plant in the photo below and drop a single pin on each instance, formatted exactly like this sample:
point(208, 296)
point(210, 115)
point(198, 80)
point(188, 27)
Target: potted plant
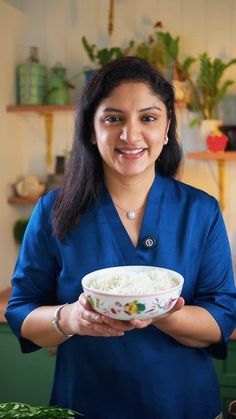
point(180, 69)
point(153, 50)
point(162, 50)
point(99, 57)
point(208, 91)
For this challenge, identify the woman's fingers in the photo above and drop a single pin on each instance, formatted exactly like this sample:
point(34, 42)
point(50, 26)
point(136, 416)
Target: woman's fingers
point(92, 316)
point(123, 325)
point(95, 329)
point(179, 304)
point(84, 301)
point(140, 324)
point(94, 324)
point(89, 322)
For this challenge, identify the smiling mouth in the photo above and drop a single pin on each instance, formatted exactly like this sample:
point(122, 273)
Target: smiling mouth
point(133, 151)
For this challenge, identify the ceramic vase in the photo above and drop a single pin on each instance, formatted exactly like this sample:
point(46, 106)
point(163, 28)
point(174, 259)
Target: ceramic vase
point(207, 127)
point(230, 131)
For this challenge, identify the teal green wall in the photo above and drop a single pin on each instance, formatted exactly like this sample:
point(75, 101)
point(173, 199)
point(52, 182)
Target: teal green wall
point(226, 371)
point(24, 377)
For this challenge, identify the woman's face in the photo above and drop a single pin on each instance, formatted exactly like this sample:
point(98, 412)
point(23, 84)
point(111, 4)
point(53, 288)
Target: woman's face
point(130, 129)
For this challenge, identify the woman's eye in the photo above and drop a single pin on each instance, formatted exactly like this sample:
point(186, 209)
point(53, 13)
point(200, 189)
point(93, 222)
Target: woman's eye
point(149, 118)
point(112, 119)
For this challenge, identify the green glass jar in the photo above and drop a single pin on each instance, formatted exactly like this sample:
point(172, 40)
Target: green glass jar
point(31, 78)
point(58, 89)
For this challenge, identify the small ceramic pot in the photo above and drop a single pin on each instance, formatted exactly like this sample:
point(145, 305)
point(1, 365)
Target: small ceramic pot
point(230, 131)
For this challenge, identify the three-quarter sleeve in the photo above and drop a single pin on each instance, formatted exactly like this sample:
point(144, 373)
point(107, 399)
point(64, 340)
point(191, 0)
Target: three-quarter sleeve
point(35, 274)
point(215, 288)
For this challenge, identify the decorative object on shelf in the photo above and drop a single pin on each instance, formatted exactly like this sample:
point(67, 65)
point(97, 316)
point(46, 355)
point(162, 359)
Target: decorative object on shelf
point(100, 57)
point(58, 86)
point(54, 180)
point(89, 73)
point(230, 131)
point(209, 89)
point(31, 80)
point(217, 142)
point(29, 186)
point(19, 230)
point(208, 127)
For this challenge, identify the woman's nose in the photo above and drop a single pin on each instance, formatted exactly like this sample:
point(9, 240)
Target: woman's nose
point(130, 134)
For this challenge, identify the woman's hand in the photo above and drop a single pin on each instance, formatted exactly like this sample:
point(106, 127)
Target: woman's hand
point(80, 318)
point(140, 324)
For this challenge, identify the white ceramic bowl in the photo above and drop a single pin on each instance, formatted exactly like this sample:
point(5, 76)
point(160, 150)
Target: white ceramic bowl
point(142, 305)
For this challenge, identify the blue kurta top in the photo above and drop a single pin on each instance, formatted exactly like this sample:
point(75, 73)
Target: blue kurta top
point(145, 373)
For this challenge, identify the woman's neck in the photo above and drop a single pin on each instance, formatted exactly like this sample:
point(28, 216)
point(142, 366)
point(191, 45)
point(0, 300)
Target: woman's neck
point(129, 192)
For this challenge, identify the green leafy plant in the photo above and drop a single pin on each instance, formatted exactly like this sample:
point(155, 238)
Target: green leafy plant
point(100, 57)
point(162, 50)
point(22, 410)
point(209, 89)
point(151, 50)
point(19, 230)
point(172, 48)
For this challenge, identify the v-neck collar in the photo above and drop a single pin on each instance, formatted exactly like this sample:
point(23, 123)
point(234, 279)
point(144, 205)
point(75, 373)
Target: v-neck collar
point(149, 222)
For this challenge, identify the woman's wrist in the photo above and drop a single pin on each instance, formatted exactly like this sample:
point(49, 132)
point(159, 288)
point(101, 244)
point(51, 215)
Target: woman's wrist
point(58, 324)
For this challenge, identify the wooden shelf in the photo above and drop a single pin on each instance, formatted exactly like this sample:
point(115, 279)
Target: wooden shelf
point(47, 112)
point(20, 200)
point(40, 108)
point(221, 157)
point(210, 155)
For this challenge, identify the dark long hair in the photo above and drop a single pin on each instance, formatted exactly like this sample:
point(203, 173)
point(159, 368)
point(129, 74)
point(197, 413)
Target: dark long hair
point(84, 175)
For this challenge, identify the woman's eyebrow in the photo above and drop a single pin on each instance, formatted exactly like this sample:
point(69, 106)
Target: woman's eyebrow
point(112, 110)
point(148, 108)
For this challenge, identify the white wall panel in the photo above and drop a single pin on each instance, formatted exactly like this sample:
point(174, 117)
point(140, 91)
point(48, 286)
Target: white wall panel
point(56, 27)
point(12, 144)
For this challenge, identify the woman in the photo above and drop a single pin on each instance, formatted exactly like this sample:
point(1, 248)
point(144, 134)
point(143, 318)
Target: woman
point(120, 205)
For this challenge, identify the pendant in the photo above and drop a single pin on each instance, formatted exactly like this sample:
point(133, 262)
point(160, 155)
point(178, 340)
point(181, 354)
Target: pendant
point(131, 215)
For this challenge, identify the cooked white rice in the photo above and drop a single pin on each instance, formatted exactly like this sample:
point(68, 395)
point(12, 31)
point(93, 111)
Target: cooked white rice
point(138, 283)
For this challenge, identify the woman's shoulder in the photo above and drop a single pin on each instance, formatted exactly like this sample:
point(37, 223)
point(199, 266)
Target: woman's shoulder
point(49, 197)
point(184, 191)
point(47, 200)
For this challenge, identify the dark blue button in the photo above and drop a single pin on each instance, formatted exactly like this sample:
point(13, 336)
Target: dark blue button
point(149, 242)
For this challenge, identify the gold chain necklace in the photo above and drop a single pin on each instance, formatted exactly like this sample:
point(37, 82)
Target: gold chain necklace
point(131, 214)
